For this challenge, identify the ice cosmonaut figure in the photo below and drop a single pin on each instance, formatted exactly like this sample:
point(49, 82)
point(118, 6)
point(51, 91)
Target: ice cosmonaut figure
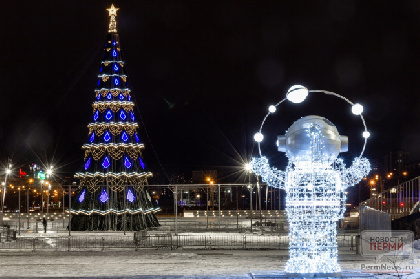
point(315, 182)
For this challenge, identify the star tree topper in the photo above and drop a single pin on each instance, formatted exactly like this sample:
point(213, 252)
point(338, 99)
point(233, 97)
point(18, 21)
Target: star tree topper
point(112, 23)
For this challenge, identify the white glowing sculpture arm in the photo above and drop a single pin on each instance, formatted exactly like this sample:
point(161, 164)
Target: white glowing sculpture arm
point(359, 169)
point(272, 176)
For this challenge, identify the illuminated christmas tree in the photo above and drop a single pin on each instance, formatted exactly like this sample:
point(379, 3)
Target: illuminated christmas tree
point(111, 195)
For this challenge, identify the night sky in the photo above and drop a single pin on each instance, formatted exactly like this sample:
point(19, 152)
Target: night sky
point(204, 73)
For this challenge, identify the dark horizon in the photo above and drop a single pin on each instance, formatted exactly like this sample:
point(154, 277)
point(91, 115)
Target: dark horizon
point(204, 73)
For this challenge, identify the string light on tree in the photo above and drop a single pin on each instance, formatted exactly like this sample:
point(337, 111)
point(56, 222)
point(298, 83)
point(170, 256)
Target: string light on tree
point(315, 181)
point(113, 155)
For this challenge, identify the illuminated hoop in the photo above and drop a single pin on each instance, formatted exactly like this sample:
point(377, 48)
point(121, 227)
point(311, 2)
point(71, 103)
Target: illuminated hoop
point(297, 94)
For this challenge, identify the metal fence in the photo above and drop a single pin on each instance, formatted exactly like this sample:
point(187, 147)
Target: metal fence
point(224, 241)
point(399, 201)
point(372, 219)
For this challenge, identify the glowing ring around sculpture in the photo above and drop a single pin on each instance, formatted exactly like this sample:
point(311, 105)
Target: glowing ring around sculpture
point(272, 109)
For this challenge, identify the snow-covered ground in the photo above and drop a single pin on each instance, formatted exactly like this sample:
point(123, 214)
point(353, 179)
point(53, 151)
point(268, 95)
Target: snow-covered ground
point(167, 263)
point(179, 263)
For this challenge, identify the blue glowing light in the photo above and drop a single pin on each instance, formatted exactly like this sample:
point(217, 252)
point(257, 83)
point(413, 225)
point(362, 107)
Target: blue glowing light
point(127, 162)
point(104, 196)
point(124, 136)
point(87, 164)
point(143, 166)
point(130, 196)
point(109, 96)
point(100, 70)
point(114, 53)
point(115, 67)
point(107, 136)
point(123, 116)
point(106, 163)
point(82, 195)
point(136, 136)
point(98, 97)
point(96, 115)
point(121, 96)
point(116, 81)
point(99, 81)
point(128, 96)
point(114, 43)
point(92, 137)
point(108, 115)
point(132, 115)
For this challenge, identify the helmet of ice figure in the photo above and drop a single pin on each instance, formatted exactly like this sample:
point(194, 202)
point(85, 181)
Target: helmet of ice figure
point(312, 138)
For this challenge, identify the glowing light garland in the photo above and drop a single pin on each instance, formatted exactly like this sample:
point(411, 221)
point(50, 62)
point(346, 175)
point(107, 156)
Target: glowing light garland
point(115, 150)
point(115, 92)
point(315, 182)
point(115, 128)
point(113, 105)
point(115, 211)
point(115, 181)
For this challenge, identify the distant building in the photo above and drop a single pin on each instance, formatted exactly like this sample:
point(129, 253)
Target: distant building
point(397, 162)
point(201, 176)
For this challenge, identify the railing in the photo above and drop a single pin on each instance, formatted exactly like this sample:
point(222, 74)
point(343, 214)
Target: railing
point(399, 201)
point(234, 241)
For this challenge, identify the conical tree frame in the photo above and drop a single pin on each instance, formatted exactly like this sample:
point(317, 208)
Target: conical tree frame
point(112, 193)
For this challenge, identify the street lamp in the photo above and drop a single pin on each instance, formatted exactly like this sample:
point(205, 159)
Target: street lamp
point(48, 195)
point(8, 171)
point(42, 195)
point(19, 208)
point(248, 169)
point(49, 171)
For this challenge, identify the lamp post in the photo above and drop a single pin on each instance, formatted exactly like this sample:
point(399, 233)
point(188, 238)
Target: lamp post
point(27, 199)
point(248, 168)
point(42, 195)
point(49, 173)
point(48, 195)
point(19, 208)
point(70, 210)
point(8, 171)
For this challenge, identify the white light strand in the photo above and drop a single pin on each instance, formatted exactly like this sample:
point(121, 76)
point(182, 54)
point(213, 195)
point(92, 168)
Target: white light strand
point(315, 185)
point(115, 211)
